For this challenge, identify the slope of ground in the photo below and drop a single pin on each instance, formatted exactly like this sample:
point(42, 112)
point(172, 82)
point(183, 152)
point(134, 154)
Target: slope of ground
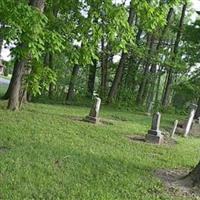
point(45, 153)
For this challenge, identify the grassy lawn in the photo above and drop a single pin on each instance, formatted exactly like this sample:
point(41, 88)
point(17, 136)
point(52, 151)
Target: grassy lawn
point(52, 156)
point(3, 89)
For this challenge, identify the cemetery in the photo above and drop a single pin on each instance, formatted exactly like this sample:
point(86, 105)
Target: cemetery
point(100, 100)
point(88, 150)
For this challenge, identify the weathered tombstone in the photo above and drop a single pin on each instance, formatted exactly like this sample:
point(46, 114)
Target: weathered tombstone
point(188, 126)
point(174, 128)
point(93, 116)
point(154, 134)
point(150, 108)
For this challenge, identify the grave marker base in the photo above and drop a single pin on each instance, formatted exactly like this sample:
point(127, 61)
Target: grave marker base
point(154, 139)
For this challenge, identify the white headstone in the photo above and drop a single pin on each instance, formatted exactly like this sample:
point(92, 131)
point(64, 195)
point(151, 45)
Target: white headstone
point(94, 112)
point(174, 128)
point(190, 120)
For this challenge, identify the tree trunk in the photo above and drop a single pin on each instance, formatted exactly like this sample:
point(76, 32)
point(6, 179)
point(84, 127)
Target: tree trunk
point(142, 85)
point(193, 178)
point(167, 90)
point(1, 45)
point(153, 76)
point(166, 94)
point(23, 94)
point(15, 85)
point(119, 71)
point(104, 69)
point(197, 114)
point(133, 65)
point(145, 92)
point(131, 74)
point(168, 19)
point(118, 76)
point(151, 87)
point(91, 79)
point(13, 92)
point(51, 67)
point(158, 86)
point(70, 93)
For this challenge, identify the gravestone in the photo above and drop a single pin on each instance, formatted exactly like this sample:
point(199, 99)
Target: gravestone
point(93, 116)
point(154, 134)
point(188, 126)
point(174, 128)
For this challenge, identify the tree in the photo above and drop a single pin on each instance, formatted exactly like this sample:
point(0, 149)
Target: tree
point(21, 60)
point(82, 34)
point(193, 178)
point(169, 82)
point(119, 71)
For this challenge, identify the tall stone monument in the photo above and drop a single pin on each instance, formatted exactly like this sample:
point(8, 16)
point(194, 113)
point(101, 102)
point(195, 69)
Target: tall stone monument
point(188, 126)
point(93, 116)
point(154, 134)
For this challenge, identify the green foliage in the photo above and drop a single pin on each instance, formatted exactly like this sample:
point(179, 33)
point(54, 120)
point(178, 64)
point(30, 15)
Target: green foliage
point(40, 79)
point(73, 33)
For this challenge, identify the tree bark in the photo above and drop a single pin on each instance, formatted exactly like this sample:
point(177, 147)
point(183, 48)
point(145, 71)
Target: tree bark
point(197, 114)
point(1, 44)
point(104, 69)
point(158, 85)
point(91, 79)
point(15, 85)
point(143, 84)
point(151, 87)
point(70, 93)
point(23, 94)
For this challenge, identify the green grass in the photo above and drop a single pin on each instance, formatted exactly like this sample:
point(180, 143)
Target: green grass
point(3, 89)
point(52, 156)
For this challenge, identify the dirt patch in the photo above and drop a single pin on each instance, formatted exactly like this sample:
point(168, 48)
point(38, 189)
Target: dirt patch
point(170, 141)
point(101, 122)
point(119, 118)
point(141, 138)
point(107, 121)
point(176, 185)
point(75, 118)
point(136, 138)
point(4, 149)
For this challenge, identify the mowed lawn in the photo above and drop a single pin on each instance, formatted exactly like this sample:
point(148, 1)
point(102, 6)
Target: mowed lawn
point(47, 153)
point(3, 88)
